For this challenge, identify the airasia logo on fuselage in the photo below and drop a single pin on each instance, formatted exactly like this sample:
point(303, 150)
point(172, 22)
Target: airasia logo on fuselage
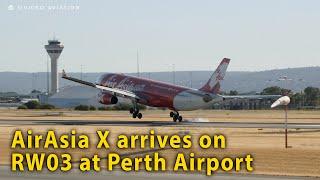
point(126, 84)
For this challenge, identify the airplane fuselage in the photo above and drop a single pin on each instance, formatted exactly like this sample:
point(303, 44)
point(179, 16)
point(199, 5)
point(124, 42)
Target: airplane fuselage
point(157, 94)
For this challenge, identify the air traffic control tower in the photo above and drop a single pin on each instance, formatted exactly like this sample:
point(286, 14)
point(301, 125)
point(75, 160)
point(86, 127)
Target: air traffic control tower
point(54, 49)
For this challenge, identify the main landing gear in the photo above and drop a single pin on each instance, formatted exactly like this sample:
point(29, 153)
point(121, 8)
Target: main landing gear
point(135, 111)
point(175, 116)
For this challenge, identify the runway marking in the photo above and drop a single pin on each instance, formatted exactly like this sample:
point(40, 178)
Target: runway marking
point(222, 124)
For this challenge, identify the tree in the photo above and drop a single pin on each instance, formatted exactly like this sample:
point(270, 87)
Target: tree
point(46, 106)
point(311, 94)
point(32, 104)
point(233, 92)
point(286, 92)
point(276, 90)
point(35, 91)
point(92, 108)
point(22, 107)
point(102, 108)
point(82, 108)
point(273, 90)
point(297, 99)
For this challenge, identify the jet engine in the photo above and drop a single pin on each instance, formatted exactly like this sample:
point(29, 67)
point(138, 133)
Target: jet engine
point(106, 98)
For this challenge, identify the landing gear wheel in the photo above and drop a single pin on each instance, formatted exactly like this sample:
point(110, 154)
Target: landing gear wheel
point(134, 115)
point(171, 114)
point(139, 115)
point(180, 118)
point(175, 118)
point(135, 110)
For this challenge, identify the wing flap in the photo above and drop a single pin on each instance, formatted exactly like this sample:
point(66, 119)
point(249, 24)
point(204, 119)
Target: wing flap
point(118, 91)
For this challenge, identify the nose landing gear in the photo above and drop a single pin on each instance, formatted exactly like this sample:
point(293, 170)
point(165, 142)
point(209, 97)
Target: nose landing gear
point(175, 116)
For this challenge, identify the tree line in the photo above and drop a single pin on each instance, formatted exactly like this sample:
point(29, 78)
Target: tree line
point(309, 98)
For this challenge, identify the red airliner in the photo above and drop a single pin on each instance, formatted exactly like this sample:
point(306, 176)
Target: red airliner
point(160, 94)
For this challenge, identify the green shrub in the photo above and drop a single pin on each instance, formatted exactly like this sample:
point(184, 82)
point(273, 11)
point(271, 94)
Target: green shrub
point(32, 105)
point(122, 107)
point(46, 106)
point(82, 108)
point(103, 108)
point(142, 107)
point(92, 108)
point(22, 107)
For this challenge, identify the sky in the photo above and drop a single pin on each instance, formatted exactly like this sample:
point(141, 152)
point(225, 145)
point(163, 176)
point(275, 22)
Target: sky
point(104, 36)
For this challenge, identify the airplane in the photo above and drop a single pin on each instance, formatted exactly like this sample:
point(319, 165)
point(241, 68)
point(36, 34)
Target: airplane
point(160, 94)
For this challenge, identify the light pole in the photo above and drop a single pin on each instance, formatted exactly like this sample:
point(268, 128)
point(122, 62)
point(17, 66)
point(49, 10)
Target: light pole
point(81, 69)
point(138, 64)
point(285, 79)
point(174, 73)
point(190, 78)
point(283, 101)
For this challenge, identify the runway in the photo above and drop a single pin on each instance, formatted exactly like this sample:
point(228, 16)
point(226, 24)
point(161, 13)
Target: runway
point(75, 174)
point(188, 123)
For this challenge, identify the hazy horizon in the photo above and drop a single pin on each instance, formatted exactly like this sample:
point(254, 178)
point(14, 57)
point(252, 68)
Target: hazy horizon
point(161, 71)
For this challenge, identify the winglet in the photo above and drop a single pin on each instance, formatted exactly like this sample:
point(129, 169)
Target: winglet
point(64, 73)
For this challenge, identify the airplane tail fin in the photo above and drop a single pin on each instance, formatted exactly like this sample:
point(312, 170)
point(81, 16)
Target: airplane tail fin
point(213, 84)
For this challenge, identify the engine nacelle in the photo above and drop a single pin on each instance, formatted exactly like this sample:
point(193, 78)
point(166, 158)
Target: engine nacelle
point(105, 98)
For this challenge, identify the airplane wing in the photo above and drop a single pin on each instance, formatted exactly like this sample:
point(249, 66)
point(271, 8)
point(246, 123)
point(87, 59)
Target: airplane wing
point(209, 96)
point(250, 97)
point(116, 91)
